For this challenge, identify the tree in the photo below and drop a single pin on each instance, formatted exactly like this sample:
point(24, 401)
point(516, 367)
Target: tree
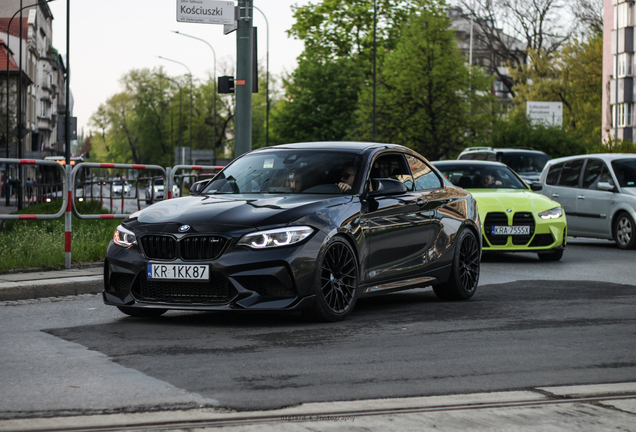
point(427, 98)
point(321, 95)
point(572, 76)
point(320, 100)
point(509, 28)
point(589, 13)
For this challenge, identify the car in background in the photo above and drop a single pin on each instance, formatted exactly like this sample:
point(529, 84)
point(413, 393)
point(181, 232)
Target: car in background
point(309, 227)
point(598, 193)
point(513, 217)
point(119, 186)
point(526, 162)
point(154, 191)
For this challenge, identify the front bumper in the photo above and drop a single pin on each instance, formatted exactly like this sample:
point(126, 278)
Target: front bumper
point(545, 234)
point(240, 279)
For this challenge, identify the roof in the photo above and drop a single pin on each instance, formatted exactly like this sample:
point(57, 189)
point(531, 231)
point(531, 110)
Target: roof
point(468, 162)
point(336, 145)
point(15, 27)
point(608, 157)
point(4, 53)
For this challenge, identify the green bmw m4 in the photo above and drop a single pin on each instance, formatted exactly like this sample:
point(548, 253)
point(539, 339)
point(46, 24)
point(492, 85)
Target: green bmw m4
point(513, 217)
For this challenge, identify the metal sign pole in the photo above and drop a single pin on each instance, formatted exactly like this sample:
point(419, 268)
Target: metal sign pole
point(243, 82)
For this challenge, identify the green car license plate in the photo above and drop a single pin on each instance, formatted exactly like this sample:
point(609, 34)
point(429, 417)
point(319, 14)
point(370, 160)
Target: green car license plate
point(511, 230)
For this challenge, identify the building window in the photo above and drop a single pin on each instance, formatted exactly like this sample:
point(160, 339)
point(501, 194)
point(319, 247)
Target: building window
point(625, 15)
point(625, 64)
point(624, 115)
point(42, 109)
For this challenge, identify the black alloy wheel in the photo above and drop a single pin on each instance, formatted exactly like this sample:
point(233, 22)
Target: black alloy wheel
point(464, 277)
point(624, 231)
point(336, 282)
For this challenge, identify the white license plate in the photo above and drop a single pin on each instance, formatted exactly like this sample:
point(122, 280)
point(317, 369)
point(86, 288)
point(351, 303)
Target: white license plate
point(179, 272)
point(511, 230)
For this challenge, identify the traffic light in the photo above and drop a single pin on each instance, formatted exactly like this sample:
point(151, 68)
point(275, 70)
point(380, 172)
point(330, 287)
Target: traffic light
point(226, 84)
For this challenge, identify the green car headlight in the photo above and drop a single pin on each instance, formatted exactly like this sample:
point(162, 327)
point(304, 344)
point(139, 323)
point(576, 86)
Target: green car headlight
point(276, 237)
point(554, 213)
point(124, 237)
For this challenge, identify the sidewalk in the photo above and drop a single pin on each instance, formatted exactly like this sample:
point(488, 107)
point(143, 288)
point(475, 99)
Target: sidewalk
point(39, 284)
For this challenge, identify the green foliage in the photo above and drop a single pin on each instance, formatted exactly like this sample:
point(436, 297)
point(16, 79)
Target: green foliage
point(40, 243)
point(151, 116)
point(518, 132)
point(321, 97)
point(427, 99)
point(573, 76)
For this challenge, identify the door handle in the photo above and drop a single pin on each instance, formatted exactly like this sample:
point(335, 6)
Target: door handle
point(581, 197)
point(555, 195)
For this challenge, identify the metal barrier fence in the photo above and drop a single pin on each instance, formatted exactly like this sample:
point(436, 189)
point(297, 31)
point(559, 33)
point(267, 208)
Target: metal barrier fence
point(123, 183)
point(64, 194)
point(69, 195)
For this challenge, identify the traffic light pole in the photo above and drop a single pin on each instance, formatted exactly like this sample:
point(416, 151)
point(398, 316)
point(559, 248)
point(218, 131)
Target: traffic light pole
point(243, 81)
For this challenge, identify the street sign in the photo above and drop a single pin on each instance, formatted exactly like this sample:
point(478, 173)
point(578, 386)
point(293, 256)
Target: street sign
point(205, 11)
point(545, 113)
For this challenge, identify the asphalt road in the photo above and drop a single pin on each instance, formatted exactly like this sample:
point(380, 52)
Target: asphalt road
point(566, 323)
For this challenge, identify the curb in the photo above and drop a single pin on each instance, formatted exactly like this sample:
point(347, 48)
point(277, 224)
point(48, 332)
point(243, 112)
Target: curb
point(29, 290)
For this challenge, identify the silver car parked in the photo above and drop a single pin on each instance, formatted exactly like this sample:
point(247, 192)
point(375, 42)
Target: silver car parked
point(598, 194)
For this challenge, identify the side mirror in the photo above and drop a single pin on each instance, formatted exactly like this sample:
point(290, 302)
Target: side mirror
point(385, 186)
point(605, 186)
point(536, 186)
point(198, 187)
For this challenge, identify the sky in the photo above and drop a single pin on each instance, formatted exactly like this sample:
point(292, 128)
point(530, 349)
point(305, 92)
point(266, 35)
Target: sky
point(108, 38)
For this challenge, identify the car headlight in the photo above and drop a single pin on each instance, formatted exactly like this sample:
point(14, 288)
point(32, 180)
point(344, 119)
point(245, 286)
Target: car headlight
point(554, 213)
point(124, 237)
point(276, 237)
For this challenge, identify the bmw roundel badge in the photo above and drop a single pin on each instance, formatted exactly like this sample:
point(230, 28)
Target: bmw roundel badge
point(184, 228)
point(508, 210)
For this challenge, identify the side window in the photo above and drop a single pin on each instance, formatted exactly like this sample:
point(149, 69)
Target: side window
point(392, 166)
point(424, 176)
point(553, 174)
point(571, 173)
point(592, 173)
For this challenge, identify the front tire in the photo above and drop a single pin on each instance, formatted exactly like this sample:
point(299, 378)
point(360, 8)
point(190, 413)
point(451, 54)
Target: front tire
point(335, 283)
point(143, 313)
point(624, 231)
point(462, 283)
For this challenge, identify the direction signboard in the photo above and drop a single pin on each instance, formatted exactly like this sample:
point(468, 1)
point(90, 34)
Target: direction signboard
point(205, 11)
point(546, 113)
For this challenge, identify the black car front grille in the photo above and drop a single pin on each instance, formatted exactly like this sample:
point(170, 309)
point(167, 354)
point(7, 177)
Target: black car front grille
point(159, 247)
point(501, 219)
point(523, 219)
point(201, 247)
point(120, 282)
point(495, 219)
point(216, 290)
point(188, 248)
point(542, 240)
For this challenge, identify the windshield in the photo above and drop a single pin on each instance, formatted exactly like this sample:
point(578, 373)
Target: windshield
point(480, 176)
point(523, 162)
point(158, 182)
point(625, 171)
point(289, 171)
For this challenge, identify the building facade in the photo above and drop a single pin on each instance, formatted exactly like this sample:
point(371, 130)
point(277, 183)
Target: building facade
point(619, 93)
point(42, 82)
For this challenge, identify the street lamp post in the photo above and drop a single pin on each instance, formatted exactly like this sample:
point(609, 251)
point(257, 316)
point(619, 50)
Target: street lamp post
point(214, 121)
point(266, 82)
point(178, 62)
